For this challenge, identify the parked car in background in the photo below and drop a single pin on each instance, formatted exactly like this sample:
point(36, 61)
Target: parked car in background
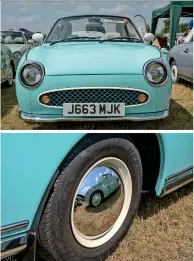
point(7, 65)
point(27, 32)
point(42, 180)
point(106, 185)
point(18, 43)
point(181, 59)
point(101, 69)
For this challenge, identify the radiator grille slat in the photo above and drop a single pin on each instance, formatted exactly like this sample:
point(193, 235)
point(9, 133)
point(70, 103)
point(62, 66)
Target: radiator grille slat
point(101, 95)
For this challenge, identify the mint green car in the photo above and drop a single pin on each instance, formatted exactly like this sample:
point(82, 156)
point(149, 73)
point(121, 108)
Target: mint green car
point(93, 67)
point(18, 43)
point(106, 185)
point(7, 66)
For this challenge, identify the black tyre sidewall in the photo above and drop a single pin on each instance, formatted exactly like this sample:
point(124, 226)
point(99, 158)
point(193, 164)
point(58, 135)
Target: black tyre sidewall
point(66, 185)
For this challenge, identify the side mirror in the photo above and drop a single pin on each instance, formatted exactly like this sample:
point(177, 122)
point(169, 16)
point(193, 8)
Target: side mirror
point(38, 37)
point(30, 41)
point(149, 37)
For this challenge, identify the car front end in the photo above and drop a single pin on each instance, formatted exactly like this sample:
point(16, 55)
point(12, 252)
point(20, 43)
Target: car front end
point(93, 80)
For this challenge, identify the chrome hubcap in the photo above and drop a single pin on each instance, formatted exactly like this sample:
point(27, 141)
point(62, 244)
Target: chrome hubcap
point(108, 179)
point(174, 72)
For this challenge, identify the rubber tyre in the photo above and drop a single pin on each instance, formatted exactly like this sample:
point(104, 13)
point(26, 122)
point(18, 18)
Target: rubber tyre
point(56, 238)
point(177, 78)
point(95, 192)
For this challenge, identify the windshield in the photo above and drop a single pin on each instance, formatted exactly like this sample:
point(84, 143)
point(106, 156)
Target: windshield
point(92, 28)
point(9, 37)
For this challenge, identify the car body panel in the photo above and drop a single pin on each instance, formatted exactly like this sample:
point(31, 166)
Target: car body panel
point(183, 56)
point(6, 59)
point(176, 155)
point(28, 172)
point(22, 48)
point(93, 58)
point(70, 81)
point(30, 161)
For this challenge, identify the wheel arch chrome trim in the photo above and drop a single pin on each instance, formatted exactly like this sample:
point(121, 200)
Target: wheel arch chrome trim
point(177, 180)
point(14, 226)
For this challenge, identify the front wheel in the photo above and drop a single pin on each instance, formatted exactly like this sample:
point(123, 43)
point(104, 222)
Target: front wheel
point(68, 232)
point(95, 199)
point(174, 72)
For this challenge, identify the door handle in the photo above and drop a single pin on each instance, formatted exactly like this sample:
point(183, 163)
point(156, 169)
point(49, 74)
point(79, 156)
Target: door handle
point(186, 51)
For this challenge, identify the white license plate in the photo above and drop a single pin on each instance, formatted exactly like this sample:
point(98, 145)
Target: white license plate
point(93, 109)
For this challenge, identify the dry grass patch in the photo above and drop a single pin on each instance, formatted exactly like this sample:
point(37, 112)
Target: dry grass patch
point(162, 230)
point(180, 118)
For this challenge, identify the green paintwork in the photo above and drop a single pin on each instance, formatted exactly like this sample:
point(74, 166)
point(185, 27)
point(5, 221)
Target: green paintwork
point(6, 60)
point(18, 48)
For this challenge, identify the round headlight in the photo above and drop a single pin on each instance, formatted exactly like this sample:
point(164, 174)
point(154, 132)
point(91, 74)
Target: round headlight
point(31, 75)
point(155, 73)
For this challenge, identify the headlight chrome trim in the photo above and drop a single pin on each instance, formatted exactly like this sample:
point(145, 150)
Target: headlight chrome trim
point(159, 61)
point(36, 64)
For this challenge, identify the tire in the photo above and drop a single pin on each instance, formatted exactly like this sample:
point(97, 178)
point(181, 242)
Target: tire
point(95, 193)
point(174, 71)
point(56, 237)
point(9, 82)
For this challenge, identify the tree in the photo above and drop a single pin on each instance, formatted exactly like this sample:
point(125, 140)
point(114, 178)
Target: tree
point(181, 29)
point(166, 28)
point(148, 28)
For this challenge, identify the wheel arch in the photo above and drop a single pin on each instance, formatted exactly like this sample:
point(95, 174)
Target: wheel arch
point(97, 190)
point(151, 165)
point(171, 60)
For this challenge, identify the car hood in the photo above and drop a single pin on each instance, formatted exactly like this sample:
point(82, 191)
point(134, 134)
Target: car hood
point(15, 47)
point(93, 58)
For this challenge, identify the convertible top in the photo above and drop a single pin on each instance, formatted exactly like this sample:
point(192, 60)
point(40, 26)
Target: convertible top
point(174, 11)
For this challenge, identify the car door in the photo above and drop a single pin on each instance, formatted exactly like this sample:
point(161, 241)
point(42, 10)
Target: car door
point(186, 57)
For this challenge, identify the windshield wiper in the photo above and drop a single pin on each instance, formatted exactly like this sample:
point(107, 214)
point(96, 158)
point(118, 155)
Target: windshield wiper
point(130, 39)
point(73, 38)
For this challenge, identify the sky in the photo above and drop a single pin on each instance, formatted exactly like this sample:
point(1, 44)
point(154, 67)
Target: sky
point(93, 177)
point(40, 16)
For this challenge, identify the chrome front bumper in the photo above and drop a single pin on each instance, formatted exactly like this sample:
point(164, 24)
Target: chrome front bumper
point(131, 117)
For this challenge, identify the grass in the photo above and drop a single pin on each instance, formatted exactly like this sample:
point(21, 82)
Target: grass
point(162, 230)
point(93, 221)
point(180, 118)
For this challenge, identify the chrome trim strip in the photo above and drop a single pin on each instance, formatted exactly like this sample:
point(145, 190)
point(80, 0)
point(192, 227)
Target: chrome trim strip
point(159, 60)
point(177, 180)
point(176, 187)
point(178, 174)
point(14, 226)
point(78, 88)
point(13, 246)
point(57, 118)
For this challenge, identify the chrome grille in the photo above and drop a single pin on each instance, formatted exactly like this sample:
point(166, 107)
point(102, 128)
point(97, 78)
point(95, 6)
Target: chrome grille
point(90, 95)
